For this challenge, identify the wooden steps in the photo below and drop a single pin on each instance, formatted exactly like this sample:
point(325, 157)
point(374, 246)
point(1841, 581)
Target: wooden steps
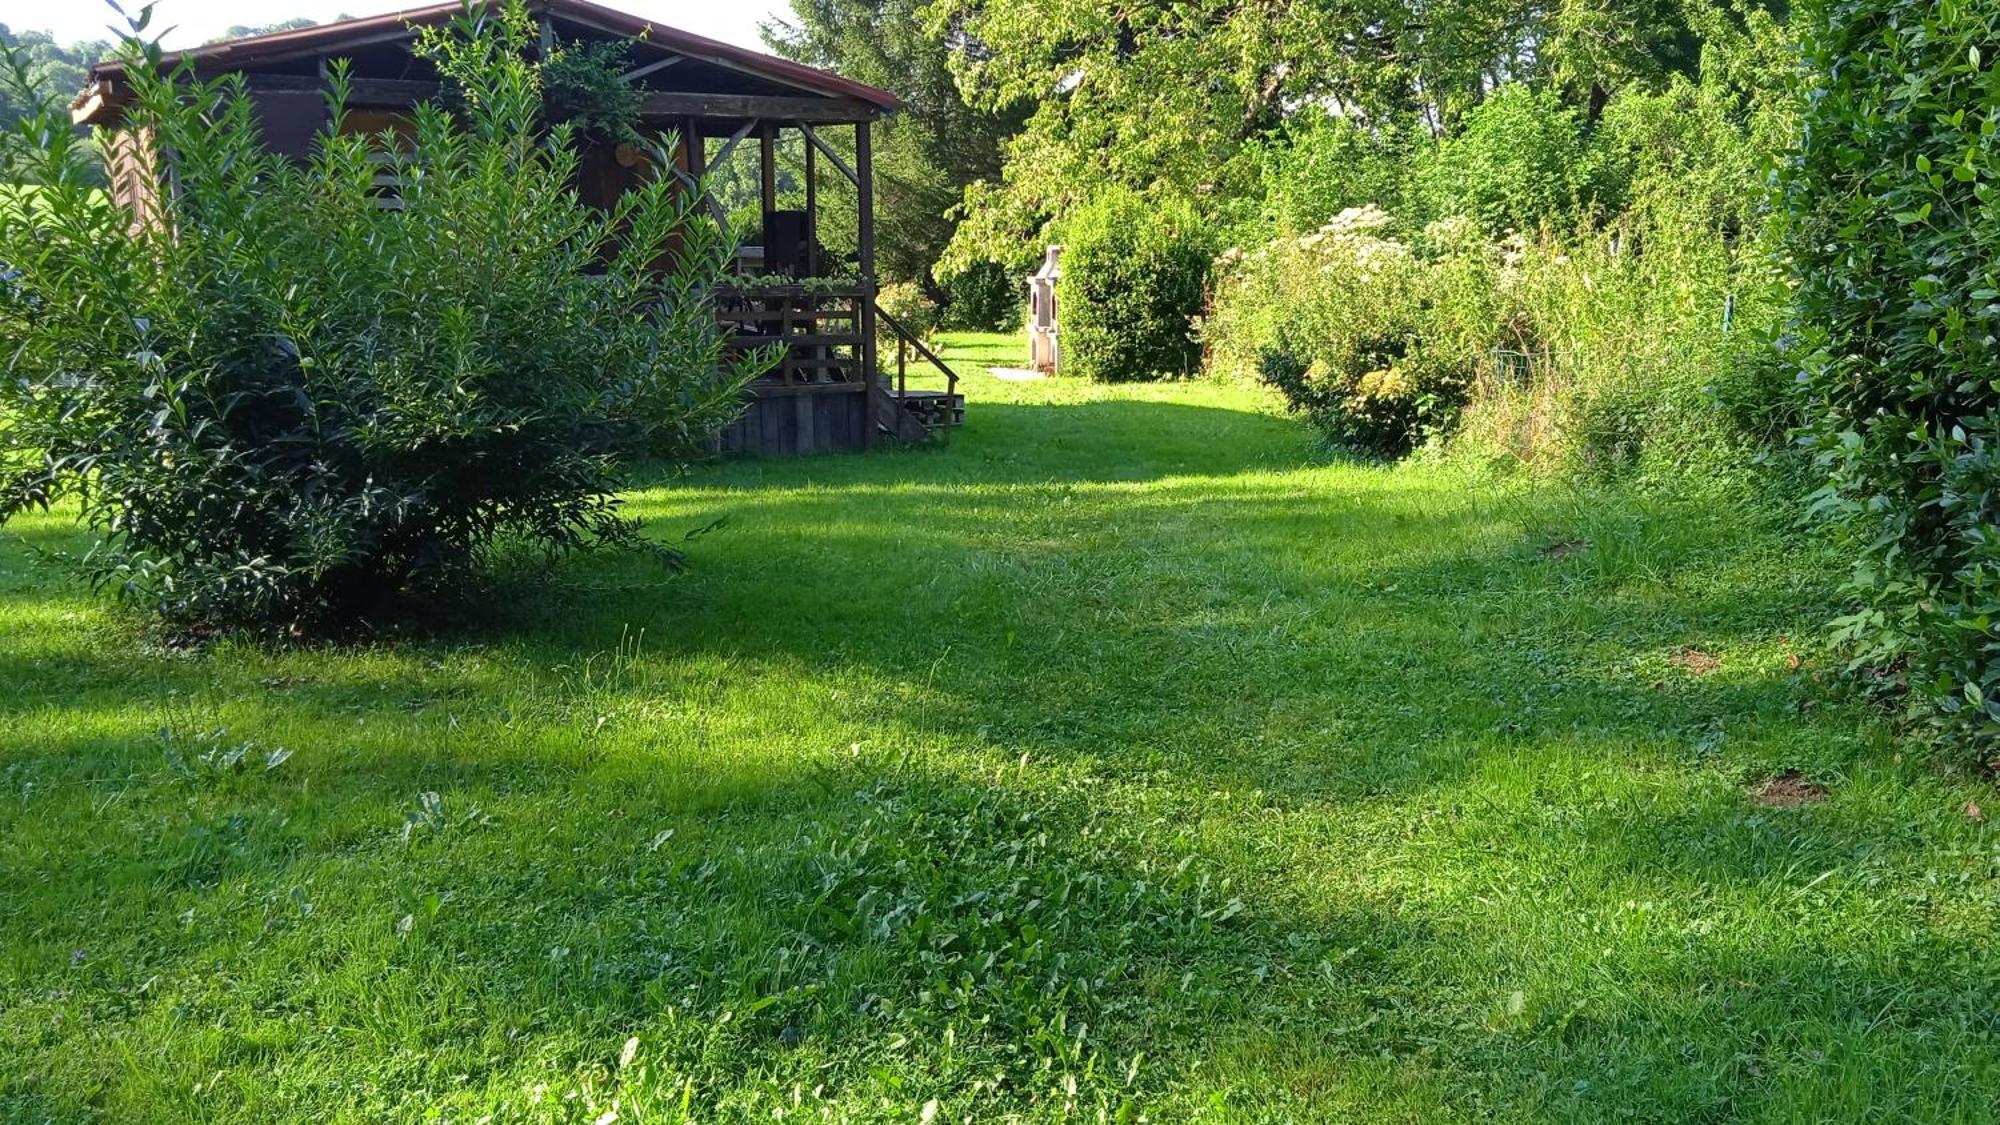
point(885, 409)
point(913, 416)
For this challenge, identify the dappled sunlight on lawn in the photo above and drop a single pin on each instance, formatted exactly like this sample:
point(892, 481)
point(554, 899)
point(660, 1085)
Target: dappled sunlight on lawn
point(1127, 751)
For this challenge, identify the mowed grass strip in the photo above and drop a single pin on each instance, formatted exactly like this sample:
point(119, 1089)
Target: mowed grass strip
point(1126, 758)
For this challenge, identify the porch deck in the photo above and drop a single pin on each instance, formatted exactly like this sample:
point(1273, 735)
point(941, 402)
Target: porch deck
point(826, 391)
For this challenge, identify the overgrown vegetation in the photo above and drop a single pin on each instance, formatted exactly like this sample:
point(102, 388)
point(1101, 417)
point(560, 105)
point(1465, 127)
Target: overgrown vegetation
point(1573, 297)
point(1888, 204)
point(286, 407)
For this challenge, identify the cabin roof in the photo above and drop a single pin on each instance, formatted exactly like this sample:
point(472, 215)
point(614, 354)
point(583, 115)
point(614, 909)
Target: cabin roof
point(333, 39)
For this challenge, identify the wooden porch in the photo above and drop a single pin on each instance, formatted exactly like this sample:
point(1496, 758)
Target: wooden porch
point(827, 391)
point(702, 103)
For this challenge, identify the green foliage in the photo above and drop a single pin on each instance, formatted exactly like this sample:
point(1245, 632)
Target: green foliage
point(1324, 165)
point(985, 297)
point(1134, 275)
point(1375, 341)
point(1889, 202)
point(582, 87)
point(283, 406)
point(1624, 325)
point(52, 73)
point(1636, 348)
point(1518, 164)
point(1185, 100)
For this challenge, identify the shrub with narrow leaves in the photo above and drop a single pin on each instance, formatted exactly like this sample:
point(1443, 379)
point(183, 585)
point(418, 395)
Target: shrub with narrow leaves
point(1893, 198)
point(286, 407)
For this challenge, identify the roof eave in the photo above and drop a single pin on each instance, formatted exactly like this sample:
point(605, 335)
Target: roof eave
point(333, 37)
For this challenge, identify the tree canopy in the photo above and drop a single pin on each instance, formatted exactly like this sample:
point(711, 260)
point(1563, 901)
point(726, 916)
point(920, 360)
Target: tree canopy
point(927, 154)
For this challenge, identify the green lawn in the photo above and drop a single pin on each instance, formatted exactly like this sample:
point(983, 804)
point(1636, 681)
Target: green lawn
point(1124, 758)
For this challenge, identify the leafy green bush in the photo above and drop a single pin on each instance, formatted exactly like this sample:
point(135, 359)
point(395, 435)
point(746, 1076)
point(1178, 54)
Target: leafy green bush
point(1134, 274)
point(985, 297)
point(285, 406)
point(1891, 195)
point(1520, 162)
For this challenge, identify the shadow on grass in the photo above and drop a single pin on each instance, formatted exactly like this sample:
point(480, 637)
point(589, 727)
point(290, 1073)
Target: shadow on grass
point(1016, 443)
point(956, 763)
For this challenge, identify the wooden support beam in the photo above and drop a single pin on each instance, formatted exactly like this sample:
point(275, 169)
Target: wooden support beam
point(815, 141)
point(767, 145)
point(575, 16)
point(639, 72)
point(692, 141)
point(822, 111)
point(864, 182)
point(653, 103)
point(812, 213)
point(728, 147)
point(396, 92)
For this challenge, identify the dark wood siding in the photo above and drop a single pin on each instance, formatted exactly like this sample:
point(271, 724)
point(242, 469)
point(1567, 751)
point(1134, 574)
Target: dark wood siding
point(795, 421)
point(289, 119)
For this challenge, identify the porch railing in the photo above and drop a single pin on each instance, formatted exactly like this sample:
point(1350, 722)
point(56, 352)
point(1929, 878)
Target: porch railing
point(906, 342)
point(820, 327)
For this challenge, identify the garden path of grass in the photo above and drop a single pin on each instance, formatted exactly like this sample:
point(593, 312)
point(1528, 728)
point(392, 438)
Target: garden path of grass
point(1125, 757)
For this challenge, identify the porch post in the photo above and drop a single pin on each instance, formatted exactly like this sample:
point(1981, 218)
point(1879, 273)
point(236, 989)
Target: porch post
point(767, 145)
point(812, 211)
point(864, 168)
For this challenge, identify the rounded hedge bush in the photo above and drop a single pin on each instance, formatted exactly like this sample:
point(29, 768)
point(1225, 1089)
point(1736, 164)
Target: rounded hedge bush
point(1135, 272)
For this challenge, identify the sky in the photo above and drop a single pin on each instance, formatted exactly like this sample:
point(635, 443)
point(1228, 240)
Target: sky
point(197, 21)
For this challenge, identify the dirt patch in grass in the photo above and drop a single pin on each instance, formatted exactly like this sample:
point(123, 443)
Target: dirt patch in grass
point(1788, 790)
point(1696, 661)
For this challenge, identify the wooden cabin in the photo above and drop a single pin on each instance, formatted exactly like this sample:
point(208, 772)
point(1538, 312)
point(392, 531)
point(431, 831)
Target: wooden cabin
point(828, 392)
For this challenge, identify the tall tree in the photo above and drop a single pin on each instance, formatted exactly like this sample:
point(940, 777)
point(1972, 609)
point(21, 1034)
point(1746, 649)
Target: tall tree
point(1166, 98)
point(52, 67)
point(928, 152)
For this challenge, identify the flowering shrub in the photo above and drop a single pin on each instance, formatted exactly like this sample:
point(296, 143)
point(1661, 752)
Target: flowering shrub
point(1375, 342)
point(916, 312)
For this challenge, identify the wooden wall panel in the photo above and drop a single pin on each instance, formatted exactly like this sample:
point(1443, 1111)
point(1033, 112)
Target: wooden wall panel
point(776, 424)
point(290, 120)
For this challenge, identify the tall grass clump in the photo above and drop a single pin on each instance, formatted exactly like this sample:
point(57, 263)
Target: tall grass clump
point(1890, 197)
point(285, 407)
